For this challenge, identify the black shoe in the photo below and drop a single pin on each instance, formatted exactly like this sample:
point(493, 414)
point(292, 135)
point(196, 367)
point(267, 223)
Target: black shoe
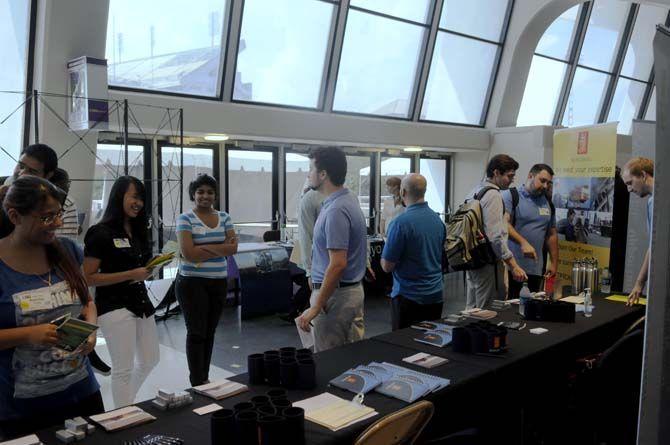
point(98, 365)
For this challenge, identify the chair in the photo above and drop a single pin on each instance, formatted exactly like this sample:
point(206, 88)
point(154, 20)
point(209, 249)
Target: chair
point(271, 235)
point(400, 427)
point(638, 324)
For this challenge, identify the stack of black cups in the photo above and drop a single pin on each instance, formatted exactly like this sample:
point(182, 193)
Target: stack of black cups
point(266, 420)
point(287, 367)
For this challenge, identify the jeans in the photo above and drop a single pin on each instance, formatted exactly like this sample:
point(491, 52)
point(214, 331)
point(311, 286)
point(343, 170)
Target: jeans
point(201, 301)
point(133, 347)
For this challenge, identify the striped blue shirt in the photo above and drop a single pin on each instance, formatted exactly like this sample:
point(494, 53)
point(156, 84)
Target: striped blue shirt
point(203, 234)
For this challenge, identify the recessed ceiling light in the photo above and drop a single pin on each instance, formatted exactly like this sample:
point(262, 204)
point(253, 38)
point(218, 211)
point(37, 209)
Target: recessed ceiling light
point(216, 137)
point(413, 149)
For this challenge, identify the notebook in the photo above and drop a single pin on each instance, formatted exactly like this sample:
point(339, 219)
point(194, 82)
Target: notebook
point(221, 389)
point(122, 418)
point(333, 412)
point(437, 338)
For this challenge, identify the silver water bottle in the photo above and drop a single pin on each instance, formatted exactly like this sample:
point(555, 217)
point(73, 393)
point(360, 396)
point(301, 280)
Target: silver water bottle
point(576, 280)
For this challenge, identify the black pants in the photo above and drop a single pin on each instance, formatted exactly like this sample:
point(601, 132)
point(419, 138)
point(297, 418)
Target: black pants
point(201, 301)
point(534, 284)
point(300, 300)
point(53, 417)
point(405, 312)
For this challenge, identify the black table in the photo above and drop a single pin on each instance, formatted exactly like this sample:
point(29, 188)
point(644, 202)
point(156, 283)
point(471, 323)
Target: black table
point(476, 381)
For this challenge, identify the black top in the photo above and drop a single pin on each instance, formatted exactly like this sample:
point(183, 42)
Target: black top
point(118, 253)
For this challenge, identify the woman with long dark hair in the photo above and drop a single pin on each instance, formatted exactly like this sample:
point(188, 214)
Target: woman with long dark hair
point(40, 281)
point(116, 252)
point(206, 238)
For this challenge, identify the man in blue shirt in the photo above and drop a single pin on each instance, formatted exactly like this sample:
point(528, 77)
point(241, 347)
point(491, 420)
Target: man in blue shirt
point(339, 254)
point(413, 252)
point(532, 225)
point(638, 175)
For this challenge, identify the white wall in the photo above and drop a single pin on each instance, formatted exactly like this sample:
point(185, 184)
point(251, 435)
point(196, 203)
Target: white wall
point(468, 170)
point(527, 145)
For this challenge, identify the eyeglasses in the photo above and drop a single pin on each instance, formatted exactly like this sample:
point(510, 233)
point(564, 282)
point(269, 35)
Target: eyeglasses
point(50, 219)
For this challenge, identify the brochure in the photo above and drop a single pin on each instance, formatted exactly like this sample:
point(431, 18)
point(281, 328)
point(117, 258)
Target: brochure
point(122, 418)
point(404, 389)
point(431, 326)
point(435, 338)
point(159, 261)
point(425, 360)
point(357, 381)
point(221, 389)
point(72, 332)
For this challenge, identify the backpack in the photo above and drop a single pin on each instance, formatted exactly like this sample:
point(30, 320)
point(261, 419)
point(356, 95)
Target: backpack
point(466, 246)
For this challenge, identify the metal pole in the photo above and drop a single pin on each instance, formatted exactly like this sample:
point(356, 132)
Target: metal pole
point(36, 124)
point(181, 160)
point(125, 135)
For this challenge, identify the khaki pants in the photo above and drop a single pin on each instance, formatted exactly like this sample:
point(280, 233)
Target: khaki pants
point(484, 285)
point(341, 320)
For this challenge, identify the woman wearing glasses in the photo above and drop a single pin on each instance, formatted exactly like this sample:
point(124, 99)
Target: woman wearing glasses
point(116, 252)
point(40, 280)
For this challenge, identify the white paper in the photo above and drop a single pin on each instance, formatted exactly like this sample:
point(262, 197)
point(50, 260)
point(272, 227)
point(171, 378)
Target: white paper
point(576, 299)
point(323, 400)
point(538, 331)
point(207, 409)
point(306, 338)
point(116, 413)
point(25, 440)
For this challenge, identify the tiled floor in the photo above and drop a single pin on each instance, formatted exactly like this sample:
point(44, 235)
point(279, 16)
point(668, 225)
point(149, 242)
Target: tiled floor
point(236, 339)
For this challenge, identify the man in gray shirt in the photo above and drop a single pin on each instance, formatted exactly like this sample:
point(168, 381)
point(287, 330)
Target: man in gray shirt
point(487, 283)
point(339, 254)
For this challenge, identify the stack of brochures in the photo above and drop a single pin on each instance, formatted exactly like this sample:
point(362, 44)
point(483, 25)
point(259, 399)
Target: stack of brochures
point(122, 418)
point(391, 380)
point(26, 440)
point(437, 338)
point(333, 412)
point(221, 389)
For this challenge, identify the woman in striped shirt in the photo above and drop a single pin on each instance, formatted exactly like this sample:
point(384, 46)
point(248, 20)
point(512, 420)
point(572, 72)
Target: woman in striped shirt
point(206, 238)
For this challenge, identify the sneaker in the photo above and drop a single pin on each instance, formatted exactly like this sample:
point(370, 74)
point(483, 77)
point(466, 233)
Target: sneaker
point(98, 365)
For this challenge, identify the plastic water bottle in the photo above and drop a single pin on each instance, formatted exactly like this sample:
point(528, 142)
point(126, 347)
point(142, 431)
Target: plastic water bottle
point(524, 296)
point(587, 303)
point(606, 281)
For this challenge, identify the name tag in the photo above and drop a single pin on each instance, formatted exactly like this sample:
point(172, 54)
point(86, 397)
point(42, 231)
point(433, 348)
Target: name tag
point(45, 298)
point(545, 211)
point(121, 243)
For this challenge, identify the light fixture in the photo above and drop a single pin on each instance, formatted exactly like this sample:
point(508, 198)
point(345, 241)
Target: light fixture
point(216, 137)
point(412, 149)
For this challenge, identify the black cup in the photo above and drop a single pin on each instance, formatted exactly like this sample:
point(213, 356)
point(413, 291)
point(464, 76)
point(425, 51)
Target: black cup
point(223, 426)
point(260, 400)
point(272, 430)
point(281, 403)
point(266, 410)
point(243, 406)
point(304, 351)
point(271, 352)
point(295, 425)
point(288, 373)
point(271, 369)
point(246, 423)
point(276, 393)
point(288, 351)
point(255, 369)
point(306, 374)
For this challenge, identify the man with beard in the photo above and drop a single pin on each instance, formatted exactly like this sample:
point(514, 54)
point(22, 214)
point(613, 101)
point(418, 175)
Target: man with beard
point(532, 225)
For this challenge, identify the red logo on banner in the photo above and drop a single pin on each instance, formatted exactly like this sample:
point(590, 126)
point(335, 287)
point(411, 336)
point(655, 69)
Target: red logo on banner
point(583, 143)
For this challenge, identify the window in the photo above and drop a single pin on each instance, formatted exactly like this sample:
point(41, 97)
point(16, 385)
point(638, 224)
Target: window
point(167, 45)
point(282, 51)
point(627, 99)
point(460, 73)
point(463, 65)
point(603, 34)
point(414, 10)
point(586, 98)
point(359, 181)
point(608, 80)
point(542, 92)
point(14, 30)
point(197, 160)
point(109, 165)
point(378, 66)
point(436, 173)
point(252, 191)
point(297, 168)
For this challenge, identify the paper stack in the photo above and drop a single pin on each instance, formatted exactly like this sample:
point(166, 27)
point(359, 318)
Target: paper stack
point(122, 418)
point(221, 389)
point(26, 440)
point(333, 412)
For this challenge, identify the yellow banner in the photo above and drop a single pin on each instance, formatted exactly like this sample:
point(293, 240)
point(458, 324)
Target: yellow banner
point(584, 163)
